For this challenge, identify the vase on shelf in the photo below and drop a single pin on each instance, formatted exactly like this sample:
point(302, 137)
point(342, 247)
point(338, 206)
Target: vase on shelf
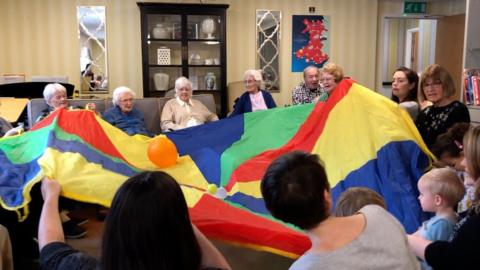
point(210, 81)
point(161, 81)
point(160, 31)
point(208, 27)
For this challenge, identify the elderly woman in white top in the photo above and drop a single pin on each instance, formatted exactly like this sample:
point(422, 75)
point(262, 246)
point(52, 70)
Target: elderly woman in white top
point(55, 96)
point(184, 111)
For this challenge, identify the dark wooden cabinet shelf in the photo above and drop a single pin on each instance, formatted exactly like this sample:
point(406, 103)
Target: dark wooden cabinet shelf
point(205, 66)
point(203, 40)
point(184, 40)
point(165, 66)
point(163, 39)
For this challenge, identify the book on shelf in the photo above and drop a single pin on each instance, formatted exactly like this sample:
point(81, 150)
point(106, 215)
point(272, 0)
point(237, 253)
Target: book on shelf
point(471, 87)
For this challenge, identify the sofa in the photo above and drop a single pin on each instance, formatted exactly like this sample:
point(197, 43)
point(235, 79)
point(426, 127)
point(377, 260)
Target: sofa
point(150, 107)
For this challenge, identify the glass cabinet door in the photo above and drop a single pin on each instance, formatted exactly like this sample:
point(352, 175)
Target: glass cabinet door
point(204, 54)
point(204, 64)
point(164, 51)
point(203, 27)
point(184, 40)
point(162, 26)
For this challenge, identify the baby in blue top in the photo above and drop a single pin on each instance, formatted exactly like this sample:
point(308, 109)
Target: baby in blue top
point(440, 191)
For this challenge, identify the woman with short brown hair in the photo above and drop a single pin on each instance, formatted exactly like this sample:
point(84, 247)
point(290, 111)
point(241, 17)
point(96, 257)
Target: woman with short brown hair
point(436, 86)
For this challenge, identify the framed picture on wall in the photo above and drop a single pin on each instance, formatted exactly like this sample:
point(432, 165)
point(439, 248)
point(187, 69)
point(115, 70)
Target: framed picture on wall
point(310, 41)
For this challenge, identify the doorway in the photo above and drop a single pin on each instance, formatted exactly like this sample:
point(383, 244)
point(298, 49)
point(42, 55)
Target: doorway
point(411, 51)
point(409, 42)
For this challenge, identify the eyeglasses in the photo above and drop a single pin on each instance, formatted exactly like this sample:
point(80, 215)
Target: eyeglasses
point(326, 79)
point(184, 89)
point(432, 84)
point(126, 100)
point(249, 81)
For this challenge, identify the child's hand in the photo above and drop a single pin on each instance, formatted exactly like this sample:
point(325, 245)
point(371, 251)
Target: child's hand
point(50, 189)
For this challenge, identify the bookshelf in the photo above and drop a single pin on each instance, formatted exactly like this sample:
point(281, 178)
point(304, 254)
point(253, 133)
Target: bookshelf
point(471, 87)
point(471, 61)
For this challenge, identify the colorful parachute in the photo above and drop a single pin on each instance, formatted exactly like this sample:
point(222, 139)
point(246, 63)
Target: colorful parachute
point(363, 138)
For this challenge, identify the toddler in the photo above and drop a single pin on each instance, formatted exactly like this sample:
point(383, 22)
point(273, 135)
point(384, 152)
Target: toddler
point(354, 198)
point(440, 191)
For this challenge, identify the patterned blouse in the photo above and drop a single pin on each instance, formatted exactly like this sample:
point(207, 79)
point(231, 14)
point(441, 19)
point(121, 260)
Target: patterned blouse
point(302, 94)
point(434, 121)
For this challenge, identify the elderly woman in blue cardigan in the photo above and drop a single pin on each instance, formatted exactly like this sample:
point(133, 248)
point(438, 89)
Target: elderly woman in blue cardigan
point(254, 99)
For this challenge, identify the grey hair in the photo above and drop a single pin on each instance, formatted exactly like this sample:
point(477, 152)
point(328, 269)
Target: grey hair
point(182, 82)
point(256, 75)
point(51, 89)
point(308, 68)
point(118, 92)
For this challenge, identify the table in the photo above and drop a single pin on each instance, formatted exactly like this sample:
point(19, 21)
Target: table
point(12, 108)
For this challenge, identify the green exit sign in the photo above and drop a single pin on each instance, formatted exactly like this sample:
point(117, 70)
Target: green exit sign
point(414, 7)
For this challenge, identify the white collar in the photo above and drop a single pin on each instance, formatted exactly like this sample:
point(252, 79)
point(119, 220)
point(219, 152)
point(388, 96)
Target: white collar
point(183, 103)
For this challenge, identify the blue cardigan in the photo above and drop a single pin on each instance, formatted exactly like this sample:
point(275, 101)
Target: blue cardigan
point(243, 103)
point(131, 123)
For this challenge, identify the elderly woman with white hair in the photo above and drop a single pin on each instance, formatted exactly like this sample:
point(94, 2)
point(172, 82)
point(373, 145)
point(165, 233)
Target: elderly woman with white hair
point(55, 96)
point(184, 111)
point(124, 115)
point(254, 98)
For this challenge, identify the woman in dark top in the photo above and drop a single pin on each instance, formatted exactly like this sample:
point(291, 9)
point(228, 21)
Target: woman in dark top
point(462, 251)
point(147, 227)
point(436, 86)
point(405, 90)
point(254, 98)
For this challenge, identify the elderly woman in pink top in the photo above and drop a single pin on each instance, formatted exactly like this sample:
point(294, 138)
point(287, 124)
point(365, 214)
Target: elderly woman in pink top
point(254, 98)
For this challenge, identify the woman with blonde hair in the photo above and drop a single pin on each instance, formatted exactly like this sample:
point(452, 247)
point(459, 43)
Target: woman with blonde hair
point(331, 76)
point(436, 86)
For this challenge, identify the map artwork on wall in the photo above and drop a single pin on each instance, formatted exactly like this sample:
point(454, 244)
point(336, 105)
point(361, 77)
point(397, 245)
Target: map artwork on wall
point(310, 41)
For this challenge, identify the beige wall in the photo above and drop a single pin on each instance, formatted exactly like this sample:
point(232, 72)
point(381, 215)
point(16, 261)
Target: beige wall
point(353, 37)
point(40, 38)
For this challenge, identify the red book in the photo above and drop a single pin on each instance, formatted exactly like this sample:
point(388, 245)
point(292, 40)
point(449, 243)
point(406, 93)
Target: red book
point(476, 93)
point(465, 89)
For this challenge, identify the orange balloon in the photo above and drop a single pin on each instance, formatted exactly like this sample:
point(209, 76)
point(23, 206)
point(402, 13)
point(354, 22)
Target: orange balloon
point(162, 152)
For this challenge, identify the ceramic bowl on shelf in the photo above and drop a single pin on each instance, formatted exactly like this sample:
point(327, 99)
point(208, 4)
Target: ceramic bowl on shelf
point(160, 31)
point(195, 59)
point(209, 61)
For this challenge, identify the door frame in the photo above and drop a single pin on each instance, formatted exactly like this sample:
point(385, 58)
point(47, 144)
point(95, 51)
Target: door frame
point(408, 48)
